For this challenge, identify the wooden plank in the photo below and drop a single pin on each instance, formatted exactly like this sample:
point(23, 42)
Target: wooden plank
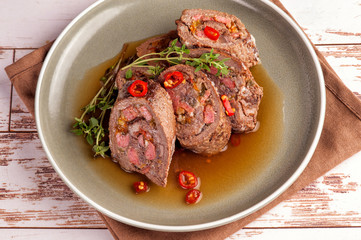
point(31, 192)
point(346, 61)
point(55, 234)
point(328, 21)
point(6, 58)
point(40, 21)
point(332, 200)
point(33, 23)
point(298, 234)
point(254, 234)
point(21, 119)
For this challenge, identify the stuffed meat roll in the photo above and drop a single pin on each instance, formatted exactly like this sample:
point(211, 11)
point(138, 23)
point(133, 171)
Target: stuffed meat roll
point(142, 129)
point(201, 123)
point(213, 29)
point(238, 88)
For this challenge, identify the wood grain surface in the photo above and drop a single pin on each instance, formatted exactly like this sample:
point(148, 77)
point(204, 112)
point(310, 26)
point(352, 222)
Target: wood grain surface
point(36, 204)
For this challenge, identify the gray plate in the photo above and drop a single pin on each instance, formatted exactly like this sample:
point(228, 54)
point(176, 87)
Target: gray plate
point(97, 35)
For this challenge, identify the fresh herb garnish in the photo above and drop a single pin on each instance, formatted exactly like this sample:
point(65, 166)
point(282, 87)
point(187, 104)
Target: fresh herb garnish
point(155, 70)
point(128, 74)
point(91, 122)
point(175, 55)
point(209, 59)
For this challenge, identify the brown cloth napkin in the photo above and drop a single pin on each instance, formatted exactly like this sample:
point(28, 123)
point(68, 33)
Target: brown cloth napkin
point(340, 139)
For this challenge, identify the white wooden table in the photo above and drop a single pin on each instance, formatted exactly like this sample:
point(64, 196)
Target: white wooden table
point(36, 204)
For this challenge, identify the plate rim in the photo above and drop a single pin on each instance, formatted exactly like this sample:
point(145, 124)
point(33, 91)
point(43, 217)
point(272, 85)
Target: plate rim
point(202, 226)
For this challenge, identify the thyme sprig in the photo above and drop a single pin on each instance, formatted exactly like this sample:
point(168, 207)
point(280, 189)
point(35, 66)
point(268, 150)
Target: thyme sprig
point(91, 122)
point(175, 55)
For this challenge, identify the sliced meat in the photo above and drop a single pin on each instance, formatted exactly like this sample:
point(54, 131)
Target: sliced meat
point(156, 44)
point(142, 132)
point(146, 114)
point(240, 87)
point(234, 38)
point(130, 113)
point(201, 124)
point(208, 114)
point(150, 153)
point(122, 139)
point(133, 156)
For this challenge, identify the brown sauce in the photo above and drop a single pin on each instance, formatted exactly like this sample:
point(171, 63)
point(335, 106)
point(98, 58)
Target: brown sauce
point(221, 174)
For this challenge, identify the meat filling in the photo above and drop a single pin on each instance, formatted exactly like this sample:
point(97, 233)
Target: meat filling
point(192, 106)
point(135, 135)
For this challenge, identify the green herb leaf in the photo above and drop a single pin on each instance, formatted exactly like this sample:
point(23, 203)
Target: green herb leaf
point(155, 70)
point(206, 67)
point(89, 139)
point(199, 67)
point(103, 79)
point(128, 73)
point(77, 132)
point(224, 71)
point(93, 122)
point(174, 42)
point(100, 150)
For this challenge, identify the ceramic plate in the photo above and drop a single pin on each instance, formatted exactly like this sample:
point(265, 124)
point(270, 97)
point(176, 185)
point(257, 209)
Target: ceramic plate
point(97, 35)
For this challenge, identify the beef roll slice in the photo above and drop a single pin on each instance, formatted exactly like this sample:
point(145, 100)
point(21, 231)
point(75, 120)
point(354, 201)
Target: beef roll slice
point(201, 123)
point(239, 88)
point(156, 44)
point(142, 130)
point(213, 29)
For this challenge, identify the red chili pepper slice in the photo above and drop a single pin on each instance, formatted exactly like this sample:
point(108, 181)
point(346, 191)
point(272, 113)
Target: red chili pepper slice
point(173, 79)
point(211, 33)
point(138, 88)
point(193, 196)
point(227, 105)
point(235, 139)
point(140, 187)
point(187, 180)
